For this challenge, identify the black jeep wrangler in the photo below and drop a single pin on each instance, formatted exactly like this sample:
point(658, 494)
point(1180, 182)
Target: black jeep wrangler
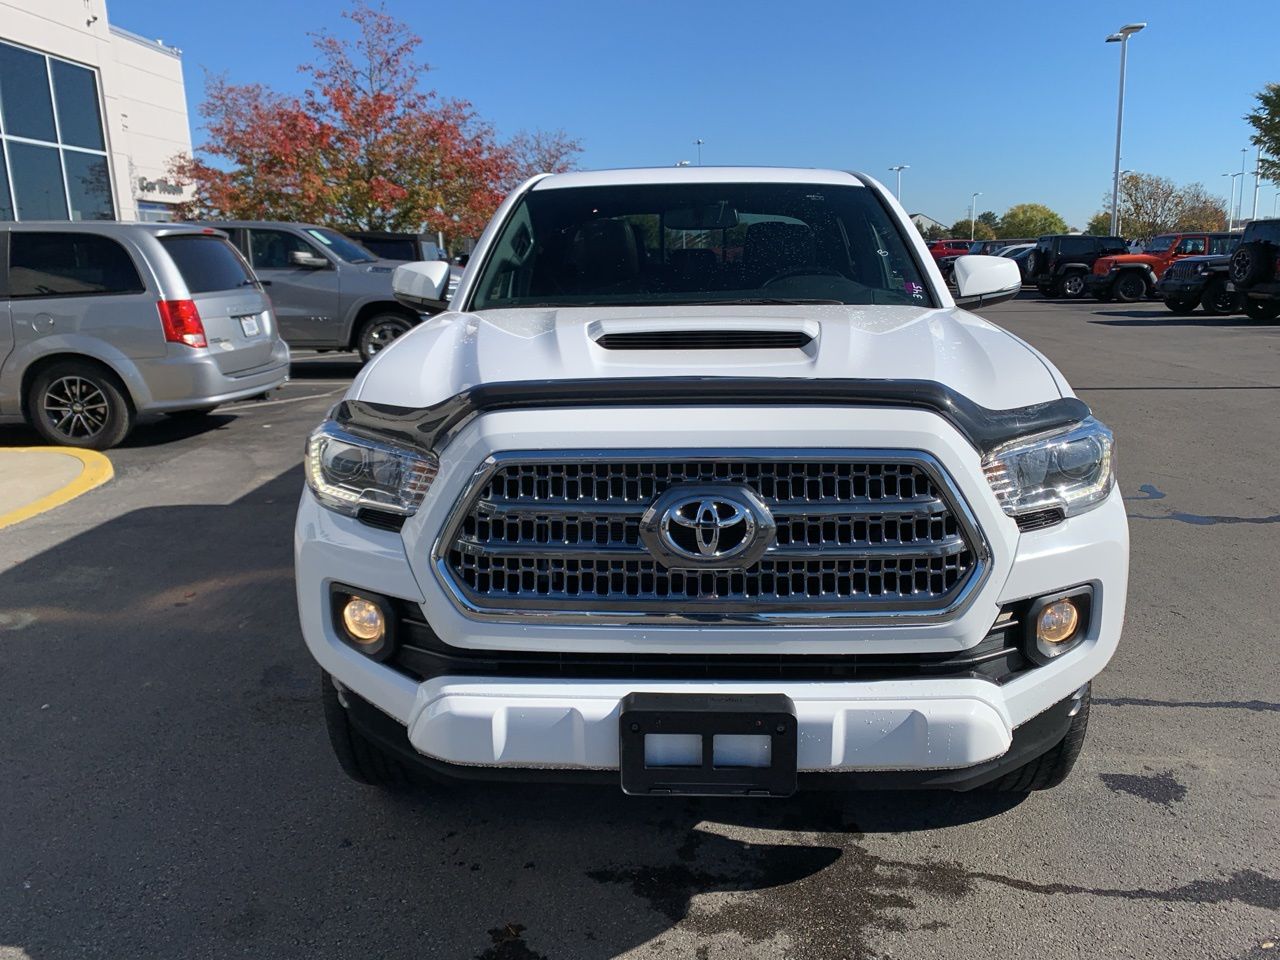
point(1199, 281)
point(1060, 265)
point(1255, 270)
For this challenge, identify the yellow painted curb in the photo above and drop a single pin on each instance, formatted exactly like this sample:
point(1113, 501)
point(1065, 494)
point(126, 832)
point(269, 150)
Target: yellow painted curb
point(96, 470)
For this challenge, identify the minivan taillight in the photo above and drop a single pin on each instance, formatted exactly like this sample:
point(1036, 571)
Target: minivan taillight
point(181, 322)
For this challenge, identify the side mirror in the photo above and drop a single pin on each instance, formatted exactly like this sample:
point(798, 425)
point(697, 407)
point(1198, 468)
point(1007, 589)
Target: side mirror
point(421, 286)
point(304, 258)
point(982, 281)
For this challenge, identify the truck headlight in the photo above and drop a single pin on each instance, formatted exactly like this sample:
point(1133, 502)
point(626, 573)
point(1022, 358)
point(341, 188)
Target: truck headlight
point(1072, 470)
point(348, 473)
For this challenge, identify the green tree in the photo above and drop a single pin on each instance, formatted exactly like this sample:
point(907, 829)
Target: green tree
point(980, 231)
point(1030, 220)
point(935, 232)
point(1265, 120)
point(990, 218)
point(1099, 224)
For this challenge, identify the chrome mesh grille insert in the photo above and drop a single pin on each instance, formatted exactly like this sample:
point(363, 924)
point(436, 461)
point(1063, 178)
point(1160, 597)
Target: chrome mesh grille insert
point(855, 534)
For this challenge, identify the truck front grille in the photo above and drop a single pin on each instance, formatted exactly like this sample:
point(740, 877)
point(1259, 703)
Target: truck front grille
point(877, 533)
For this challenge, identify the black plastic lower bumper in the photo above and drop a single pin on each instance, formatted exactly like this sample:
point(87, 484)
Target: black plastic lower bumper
point(1180, 289)
point(1035, 737)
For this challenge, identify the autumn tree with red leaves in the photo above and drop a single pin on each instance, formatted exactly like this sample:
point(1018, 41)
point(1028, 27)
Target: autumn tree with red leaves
point(363, 147)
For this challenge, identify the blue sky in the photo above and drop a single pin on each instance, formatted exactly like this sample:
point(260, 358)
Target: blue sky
point(1016, 100)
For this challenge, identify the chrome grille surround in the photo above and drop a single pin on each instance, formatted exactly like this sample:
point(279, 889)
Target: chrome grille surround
point(863, 537)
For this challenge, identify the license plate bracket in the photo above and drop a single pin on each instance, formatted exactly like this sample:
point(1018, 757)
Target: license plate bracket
point(250, 325)
point(707, 716)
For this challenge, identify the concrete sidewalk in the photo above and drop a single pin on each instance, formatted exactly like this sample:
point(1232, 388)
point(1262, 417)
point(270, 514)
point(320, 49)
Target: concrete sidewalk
point(36, 479)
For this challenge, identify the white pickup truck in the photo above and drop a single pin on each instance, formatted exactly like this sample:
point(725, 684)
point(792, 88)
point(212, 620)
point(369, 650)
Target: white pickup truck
point(705, 484)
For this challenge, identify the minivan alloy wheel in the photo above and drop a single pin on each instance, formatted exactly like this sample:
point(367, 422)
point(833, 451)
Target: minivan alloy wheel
point(76, 407)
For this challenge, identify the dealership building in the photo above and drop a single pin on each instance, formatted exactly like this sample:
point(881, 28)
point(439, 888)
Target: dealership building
point(90, 115)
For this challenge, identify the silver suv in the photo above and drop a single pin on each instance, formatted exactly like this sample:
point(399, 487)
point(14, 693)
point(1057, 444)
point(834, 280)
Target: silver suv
point(101, 322)
point(329, 292)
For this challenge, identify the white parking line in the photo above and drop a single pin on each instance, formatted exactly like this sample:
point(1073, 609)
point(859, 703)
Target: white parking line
point(272, 403)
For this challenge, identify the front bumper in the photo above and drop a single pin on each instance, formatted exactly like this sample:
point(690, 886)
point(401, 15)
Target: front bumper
point(1181, 288)
point(1032, 739)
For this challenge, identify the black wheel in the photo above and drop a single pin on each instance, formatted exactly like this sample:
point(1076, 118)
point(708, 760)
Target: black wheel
point(1072, 285)
point(1252, 264)
point(1130, 286)
point(78, 403)
point(1217, 300)
point(1182, 305)
point(1263, 311)
point(1049, 769)
point(194, 414)
point(361, 759)
point(378, 332)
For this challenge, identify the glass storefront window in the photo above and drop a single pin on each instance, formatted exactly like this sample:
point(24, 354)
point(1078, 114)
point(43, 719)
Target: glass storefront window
point(53, 160)
point(37, 182)
point(75, 90)
point(24, 94)
point(88, 186)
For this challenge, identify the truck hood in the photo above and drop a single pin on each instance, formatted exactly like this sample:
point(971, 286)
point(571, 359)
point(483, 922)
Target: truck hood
point(453, 352)
point(1104, 264)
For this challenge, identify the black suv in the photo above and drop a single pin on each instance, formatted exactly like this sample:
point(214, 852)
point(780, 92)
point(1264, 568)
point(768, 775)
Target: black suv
point(1199, 281)
point(1060, 265)
point(1255, 270)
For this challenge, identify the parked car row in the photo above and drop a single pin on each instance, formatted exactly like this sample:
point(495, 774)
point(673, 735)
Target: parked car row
point(107, 321)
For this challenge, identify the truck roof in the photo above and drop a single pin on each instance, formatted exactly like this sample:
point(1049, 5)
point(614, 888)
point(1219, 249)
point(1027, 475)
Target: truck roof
point(661, 175)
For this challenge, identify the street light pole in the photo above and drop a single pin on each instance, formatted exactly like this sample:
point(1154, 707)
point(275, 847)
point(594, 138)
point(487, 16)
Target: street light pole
point(1257, 172)
point(1121, 37)
point(898, 170)
point(699, 142)
point(973, 213)
point(1243, 160)
point(1231, 202)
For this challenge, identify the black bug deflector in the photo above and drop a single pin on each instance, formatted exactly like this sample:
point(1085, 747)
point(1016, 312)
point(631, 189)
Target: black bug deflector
point(431, 427)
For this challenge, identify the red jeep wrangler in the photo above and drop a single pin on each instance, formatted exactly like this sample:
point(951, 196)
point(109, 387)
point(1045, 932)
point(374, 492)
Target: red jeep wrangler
point(1132, 276)
point(949, 248)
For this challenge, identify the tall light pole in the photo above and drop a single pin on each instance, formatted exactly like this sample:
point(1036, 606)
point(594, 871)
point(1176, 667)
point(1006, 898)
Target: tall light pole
point(898, 170)
point(1244, 151)
point(973, 213)
point(1231, 203)
point(698, 143)
point(1257, 172)
point(1121, 37)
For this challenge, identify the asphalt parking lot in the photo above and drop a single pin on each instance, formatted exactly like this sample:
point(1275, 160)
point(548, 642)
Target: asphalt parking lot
point(168, 790)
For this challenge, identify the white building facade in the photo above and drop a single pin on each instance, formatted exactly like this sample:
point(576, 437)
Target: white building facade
point(90, 116)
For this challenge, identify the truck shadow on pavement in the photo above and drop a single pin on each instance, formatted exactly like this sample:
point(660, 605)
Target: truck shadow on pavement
point(1137, 318)
point(170, 792)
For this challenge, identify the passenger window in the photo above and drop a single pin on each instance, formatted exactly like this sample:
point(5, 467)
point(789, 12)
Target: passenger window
point(1191, 245)
point(1219, 246)
point(57, 264)
point(270, 249)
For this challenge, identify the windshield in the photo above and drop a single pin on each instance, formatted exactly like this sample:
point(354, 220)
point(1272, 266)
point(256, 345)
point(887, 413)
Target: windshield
point(661, 244)
point(1160, 244)
point(348, 250)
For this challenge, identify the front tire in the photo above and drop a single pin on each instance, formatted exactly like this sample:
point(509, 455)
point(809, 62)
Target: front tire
point(1217, 300)
point(360, 758)
point(1262, 311)
point(1130, 287)
point(379, 331)
point(78, 403)
point(1052, 767)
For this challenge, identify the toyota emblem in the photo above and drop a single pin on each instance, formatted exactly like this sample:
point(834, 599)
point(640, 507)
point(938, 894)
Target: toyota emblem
point(707, 525)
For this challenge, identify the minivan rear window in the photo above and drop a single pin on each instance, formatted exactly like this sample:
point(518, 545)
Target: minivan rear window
point(208, 263)
point(64, 264)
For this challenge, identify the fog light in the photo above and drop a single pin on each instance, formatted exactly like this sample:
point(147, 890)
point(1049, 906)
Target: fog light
point(363, 620)
point(1058, 622)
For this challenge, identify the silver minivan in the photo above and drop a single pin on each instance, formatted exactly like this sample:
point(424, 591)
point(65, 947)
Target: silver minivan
point(103, 321)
